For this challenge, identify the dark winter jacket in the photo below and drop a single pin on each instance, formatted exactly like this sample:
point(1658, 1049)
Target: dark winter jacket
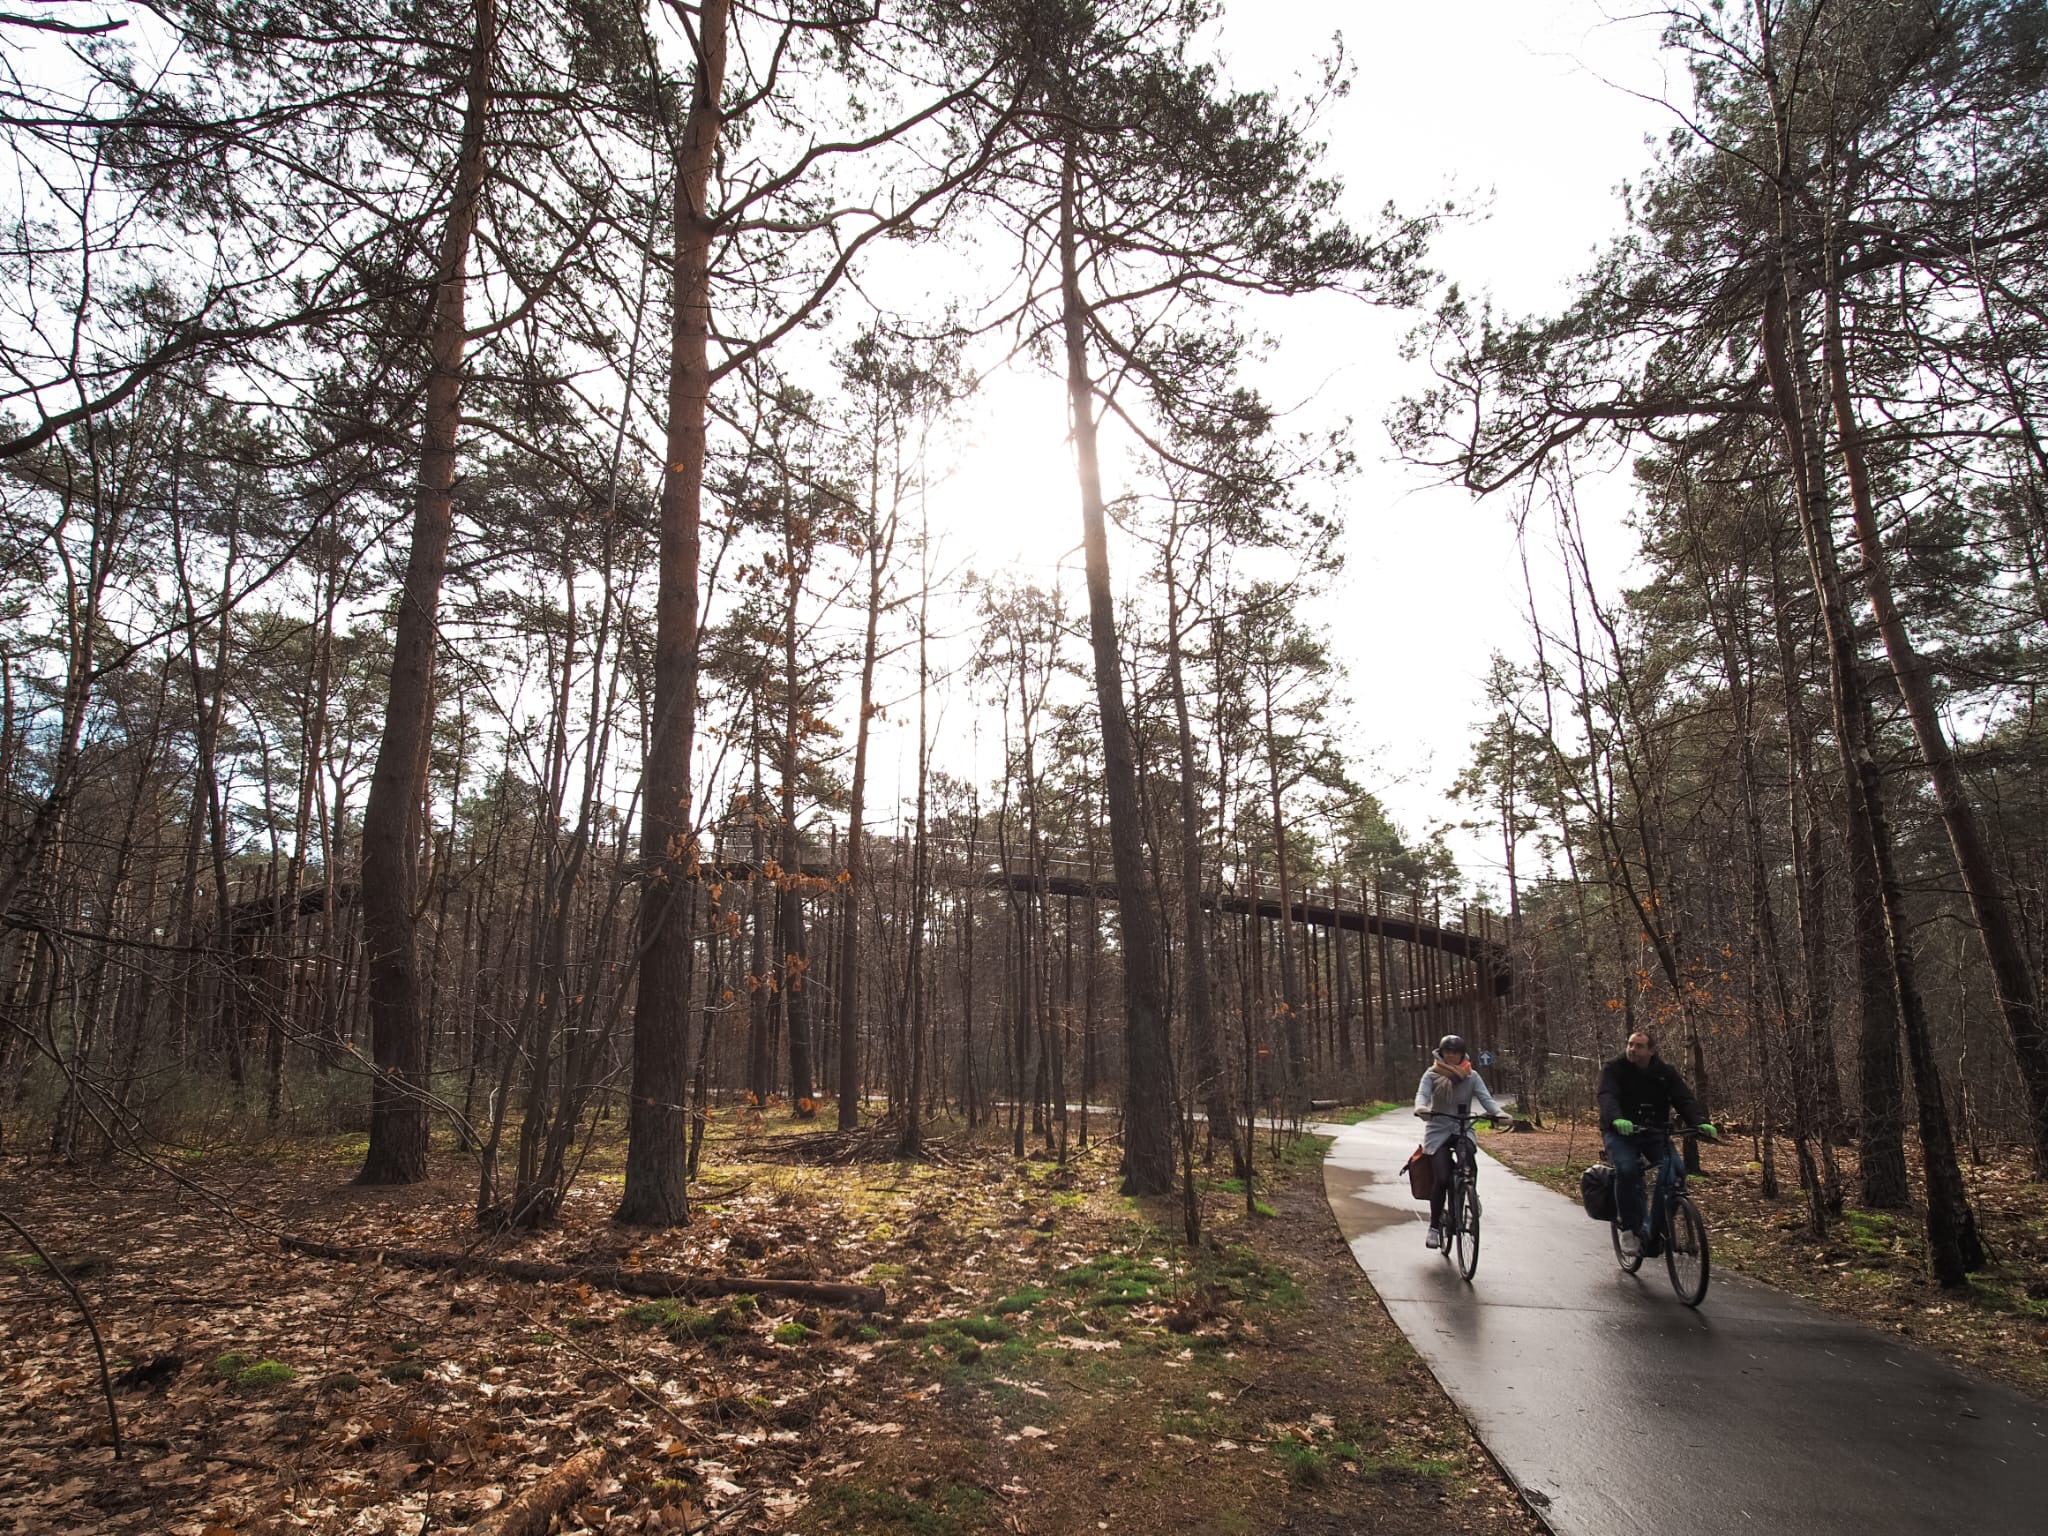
point(1646, 1095)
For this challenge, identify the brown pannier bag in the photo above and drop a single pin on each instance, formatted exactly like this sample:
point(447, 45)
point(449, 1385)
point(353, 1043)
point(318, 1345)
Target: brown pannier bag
point(1421, 1171)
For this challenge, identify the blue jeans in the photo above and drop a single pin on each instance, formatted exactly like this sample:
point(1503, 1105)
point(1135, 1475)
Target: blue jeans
point(1630, 1159)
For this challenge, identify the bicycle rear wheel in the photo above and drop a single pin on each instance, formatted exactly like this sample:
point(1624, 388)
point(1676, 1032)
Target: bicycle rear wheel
point(1629, 1264)
point(1685, 1251)
point(1468, 1229)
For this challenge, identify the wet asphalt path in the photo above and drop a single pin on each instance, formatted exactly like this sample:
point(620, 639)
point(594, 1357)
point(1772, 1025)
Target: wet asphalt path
point(1620, 1412)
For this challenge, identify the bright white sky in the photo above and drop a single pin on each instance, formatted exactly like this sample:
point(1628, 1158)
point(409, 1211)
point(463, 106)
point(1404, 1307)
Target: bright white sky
point(1532, 109)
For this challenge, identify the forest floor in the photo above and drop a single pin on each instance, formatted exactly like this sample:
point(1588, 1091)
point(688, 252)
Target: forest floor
point(1873, 1264)
point(1052, 1357)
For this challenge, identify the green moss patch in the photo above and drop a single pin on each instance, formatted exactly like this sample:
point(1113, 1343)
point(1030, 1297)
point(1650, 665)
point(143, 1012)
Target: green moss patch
point(948, 1510)
point(1871, 1232)
point(263, 1375)
point(1987, 1291)
point(246, 1373)
point(1244, 1275)
point(232, 1364)
point(984, 1329)
point(681, 1323)
point(652, 1314)
point(1307, 1463)
point(1019, 1301)
point(1200, 1421)
point(1114, 1280)
point(1410, 1467)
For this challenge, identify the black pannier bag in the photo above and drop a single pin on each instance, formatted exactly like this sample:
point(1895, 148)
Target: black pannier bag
point(1596, 1192)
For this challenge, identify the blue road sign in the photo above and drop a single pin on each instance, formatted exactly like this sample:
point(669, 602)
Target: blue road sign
point(1486, 1058)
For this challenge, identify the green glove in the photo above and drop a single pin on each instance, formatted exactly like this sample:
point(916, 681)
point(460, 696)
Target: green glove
point(1625, 1127)
point(1706, 1129)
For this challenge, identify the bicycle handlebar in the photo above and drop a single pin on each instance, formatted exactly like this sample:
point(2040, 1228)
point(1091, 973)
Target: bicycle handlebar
point(1663, 1130)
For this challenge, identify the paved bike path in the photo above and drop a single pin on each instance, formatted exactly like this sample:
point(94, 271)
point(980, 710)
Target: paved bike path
point(1620, 1412)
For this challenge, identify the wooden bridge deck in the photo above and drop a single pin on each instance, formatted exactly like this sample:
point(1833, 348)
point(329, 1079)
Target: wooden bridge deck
point(1070, 877)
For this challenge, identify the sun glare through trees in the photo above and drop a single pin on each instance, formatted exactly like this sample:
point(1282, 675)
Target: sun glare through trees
point(703, 814)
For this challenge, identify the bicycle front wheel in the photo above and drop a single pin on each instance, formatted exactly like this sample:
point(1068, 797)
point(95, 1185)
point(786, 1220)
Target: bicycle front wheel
point(1685, 1251)
point(1468, 1231)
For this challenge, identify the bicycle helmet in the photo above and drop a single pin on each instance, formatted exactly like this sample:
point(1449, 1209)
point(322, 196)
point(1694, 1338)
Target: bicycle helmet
point(1451, 1043)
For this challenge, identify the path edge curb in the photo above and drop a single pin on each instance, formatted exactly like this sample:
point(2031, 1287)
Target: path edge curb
point(1521, 1493)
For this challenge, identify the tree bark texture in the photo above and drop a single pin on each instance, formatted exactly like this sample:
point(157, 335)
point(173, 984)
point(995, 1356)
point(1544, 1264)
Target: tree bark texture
point(849, 926)
point(1290, 972)
point(1212, 1086)
point(1881, 1126)
point(394, 814)
point(657, 1124)
point(1982, 880)
point(1148, 1078)
point(793, 962)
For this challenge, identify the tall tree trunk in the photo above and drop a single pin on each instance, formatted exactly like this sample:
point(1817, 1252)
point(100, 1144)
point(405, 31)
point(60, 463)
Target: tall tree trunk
point(910, 1140)
point(1811, 889)
point(970, 1077)
point(1290, 974)
point(657, 1125)
point(1979, 872)
point(392, 818)
point(1766, 952)
point(1148, 1065)
point(1893, 1001)
point(849, 923)
point(1212, 1085)
point(1881, 1125)
point(794, 959)
point(1954, 1248)
point(760, 993)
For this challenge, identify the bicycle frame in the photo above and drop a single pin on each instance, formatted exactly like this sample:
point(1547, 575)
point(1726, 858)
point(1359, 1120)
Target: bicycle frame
point(1464, 1150)
point(1642, 1139)
point(1690, 1250)
point(1461, 1200)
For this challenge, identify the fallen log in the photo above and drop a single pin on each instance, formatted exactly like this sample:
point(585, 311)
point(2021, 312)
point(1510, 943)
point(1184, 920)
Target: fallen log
point(533, 1512)
point(633, 1282)
point(881, 1142)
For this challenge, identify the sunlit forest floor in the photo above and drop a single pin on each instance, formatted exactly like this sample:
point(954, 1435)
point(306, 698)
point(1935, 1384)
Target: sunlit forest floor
point(1872, 1264)
point(1051, 1357)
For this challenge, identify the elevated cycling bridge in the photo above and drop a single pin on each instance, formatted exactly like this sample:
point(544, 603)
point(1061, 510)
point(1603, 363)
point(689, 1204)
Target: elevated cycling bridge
point(1455, 970)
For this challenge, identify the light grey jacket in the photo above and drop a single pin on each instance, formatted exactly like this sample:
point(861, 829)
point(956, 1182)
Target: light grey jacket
point(1434, 1096)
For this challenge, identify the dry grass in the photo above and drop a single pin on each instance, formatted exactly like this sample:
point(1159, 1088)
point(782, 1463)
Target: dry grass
point(1052, 1357)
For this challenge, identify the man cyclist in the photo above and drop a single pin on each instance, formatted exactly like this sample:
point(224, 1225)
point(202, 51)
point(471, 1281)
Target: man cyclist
point(1447, 1089)
point(1638, 1091)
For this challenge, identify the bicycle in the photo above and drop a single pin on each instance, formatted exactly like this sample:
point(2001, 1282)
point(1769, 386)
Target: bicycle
point(1461, 1204)
point(1682, 1235)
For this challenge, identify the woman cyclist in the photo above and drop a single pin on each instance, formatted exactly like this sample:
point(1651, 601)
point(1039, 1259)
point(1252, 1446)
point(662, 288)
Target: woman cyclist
point(1446, 1092)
